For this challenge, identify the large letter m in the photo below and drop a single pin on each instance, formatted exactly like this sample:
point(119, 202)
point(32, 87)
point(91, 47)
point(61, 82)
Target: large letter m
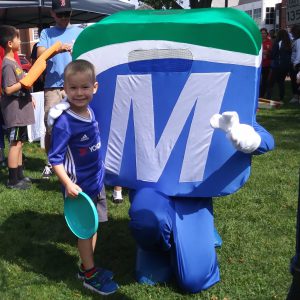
point(203, 93)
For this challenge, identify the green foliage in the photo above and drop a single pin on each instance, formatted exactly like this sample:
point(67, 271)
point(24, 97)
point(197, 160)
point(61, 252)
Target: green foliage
point(38, 255)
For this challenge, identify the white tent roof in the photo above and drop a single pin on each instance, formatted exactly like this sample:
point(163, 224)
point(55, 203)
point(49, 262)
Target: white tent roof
point(26, 14)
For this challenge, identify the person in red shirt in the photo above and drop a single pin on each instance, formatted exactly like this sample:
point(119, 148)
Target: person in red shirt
point(266, 61)
point(2, 144)
point(1, 57)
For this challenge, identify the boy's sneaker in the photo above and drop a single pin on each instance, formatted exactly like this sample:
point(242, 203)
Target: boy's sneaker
point(100, 284)
point(117, 197)
point(21, 185)
point(116, 200)
point(26, 179)
point(47, 172)
point(105, 273)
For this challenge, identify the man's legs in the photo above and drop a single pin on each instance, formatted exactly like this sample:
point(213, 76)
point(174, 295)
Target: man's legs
point(293, 76)
point(51, 98)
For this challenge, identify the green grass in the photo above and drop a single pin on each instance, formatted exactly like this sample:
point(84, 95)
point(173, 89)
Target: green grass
point(38, 256)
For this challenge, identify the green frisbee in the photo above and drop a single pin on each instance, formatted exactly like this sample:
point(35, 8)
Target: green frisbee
point(81, 215)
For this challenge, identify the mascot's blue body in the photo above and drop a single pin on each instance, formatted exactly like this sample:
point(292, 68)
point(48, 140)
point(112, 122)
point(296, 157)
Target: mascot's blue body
point(176, 110)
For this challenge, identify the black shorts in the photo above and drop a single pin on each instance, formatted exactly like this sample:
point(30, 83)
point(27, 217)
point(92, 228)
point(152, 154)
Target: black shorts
point(18, 133)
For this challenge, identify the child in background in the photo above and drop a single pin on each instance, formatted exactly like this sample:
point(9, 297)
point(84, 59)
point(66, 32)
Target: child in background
point(17, 107)
point(2, 143)
point(117, 196)
point(76, 159)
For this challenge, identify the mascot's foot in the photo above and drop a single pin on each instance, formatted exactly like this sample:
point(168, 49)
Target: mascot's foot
point(218, 239)
point(152, 267)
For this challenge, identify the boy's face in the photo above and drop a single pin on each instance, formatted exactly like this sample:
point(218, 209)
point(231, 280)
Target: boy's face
point(80, 89)
point(14, 44)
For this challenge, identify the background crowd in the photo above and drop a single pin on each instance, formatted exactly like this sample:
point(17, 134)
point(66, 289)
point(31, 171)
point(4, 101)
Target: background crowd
point(280, 59)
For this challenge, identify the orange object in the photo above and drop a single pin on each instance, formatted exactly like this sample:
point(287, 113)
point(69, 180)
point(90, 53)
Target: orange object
point(50, 51)
point(34, 73)
point(39, 66)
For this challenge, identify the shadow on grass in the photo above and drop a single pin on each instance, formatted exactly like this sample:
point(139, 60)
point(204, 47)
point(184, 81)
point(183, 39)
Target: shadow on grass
point(42, 244)
point(34, 164)
point(283, 123)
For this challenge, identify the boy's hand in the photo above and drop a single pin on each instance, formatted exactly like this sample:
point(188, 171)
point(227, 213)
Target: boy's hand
point(72, 190)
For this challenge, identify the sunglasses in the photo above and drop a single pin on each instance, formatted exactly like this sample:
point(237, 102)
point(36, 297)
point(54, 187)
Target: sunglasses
point(65, 14)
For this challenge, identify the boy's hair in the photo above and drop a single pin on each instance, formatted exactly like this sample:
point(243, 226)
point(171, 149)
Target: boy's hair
point(7, 33)
point(80, 65)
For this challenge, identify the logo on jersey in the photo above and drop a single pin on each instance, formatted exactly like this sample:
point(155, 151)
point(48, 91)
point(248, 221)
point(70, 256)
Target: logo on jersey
point(95, 147)
point(19, 71)
point(84, 138)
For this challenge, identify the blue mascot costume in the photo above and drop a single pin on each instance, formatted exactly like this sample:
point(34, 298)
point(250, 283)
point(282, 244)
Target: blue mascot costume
point(176, 110)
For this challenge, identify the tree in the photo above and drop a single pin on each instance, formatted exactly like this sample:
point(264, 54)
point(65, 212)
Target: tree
point(168, 4)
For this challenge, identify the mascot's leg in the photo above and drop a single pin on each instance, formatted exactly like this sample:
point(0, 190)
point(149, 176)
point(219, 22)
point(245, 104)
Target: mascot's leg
point(218, 239)
point(184, 226)
point(194, 256)
point(151, 227)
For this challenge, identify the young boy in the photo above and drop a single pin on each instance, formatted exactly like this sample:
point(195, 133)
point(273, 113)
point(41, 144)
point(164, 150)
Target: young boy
point(17, 107)
point(76, 159)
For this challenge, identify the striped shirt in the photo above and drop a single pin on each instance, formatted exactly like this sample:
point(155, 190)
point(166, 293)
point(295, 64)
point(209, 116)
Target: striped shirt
point(75, 143)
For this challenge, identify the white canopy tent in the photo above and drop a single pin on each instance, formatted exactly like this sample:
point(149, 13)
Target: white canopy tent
point(34, 13)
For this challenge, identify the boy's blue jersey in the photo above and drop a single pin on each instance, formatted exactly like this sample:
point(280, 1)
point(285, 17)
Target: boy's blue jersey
point(76, 144)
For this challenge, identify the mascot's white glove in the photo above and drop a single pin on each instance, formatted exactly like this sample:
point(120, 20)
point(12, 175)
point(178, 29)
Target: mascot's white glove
point(242, 136)
point(56, 111)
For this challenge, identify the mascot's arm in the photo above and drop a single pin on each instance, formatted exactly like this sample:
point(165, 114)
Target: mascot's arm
point(39, 66)
point(244, 138)
point(267, 141)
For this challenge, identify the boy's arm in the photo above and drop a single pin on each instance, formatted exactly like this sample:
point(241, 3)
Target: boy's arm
point(58, 147)
point(9, 90)
point(10, 86)
point(71, 188)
